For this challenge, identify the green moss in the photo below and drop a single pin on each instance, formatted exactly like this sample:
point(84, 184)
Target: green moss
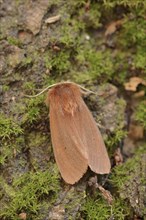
point(121, 66)
point(6, 151)
point(96, 65)
point(68, 34)
point(9, 148)
point(139, 60)
point(47, 80)
point(135, 3)
point(76, 198)
point(40, 150)
point(27, 193)
point(14, 41)
point(70, 31)
point(29, 86)
point(129, 40)
point(98, 209)
point(8, 127)
point(119, 133)
point(5, 88)
point(1, 36)
point(27, 61)
point(115, 138)
point(69, 38)
point(133, 32)
point(33, 109)
point(75, 21)
point(140, 113)
point(92, 16)
point(36, 139)
point(58, 62)
point(129, 179)
point(119, 176)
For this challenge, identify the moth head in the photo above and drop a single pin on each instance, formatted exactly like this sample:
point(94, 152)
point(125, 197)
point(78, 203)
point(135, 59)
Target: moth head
point(66, 95)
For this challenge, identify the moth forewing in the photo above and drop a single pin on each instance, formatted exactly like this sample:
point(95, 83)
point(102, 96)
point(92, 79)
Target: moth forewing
point(76, 140)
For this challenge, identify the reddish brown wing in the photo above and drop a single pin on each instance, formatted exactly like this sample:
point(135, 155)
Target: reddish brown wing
point(98, 159)
point(70, 152)
point(76, 139)
point(77, 143)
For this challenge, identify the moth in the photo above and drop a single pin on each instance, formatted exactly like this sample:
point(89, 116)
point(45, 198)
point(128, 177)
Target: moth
point(76, 139)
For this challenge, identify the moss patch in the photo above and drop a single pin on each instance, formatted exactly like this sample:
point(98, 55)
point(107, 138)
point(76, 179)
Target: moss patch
point(140, 113)
point(8, 127)
point(26, 192)
point(33, 109)
point(129, 178)
point(98, 208)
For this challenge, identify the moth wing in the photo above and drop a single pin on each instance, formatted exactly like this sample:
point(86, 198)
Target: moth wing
point(98, 159)
point(69, 150)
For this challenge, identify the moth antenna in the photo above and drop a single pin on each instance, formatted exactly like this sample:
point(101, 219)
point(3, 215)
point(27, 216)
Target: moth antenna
point(48, 87)
point(87, 90)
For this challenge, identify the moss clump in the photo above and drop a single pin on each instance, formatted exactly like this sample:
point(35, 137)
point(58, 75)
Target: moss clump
point(140, 113)
point(59, 62)
point(5, 88)
point(139, 60)
point(14, 41)
point(129, 179)
point(99, 209)
point(121, 66)
point(81, 59)
point(10, 134)
point(26, 61)
point(70, 31)
point(9, 150)
point(119, 176)
point(118, 134)
point(135, 4)
point(76, 197)
point(6, 151)
point(129, 40)
point(33, 109)
point(92, 16)
point(40, 150)
point(133, 31)
point(96, 65)
point(8, 127)
point(115, 138)
point(29, 86)
point(27, 193)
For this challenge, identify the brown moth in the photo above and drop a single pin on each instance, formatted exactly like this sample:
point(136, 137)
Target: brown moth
point(76, 139)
